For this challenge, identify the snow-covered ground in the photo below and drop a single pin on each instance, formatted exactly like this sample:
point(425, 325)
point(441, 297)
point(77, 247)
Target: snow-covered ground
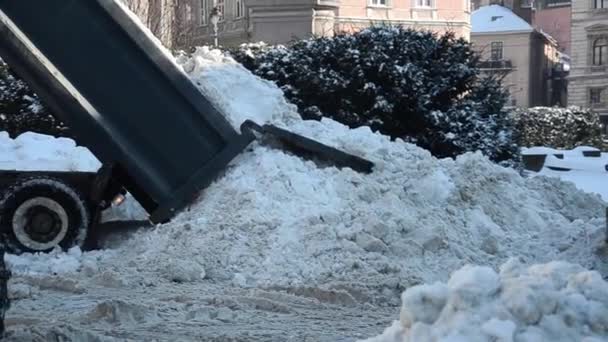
point(587, 173)
point(281, 249)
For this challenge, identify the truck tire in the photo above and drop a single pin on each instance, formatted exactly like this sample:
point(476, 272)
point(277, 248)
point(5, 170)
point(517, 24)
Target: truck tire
point(40, 213)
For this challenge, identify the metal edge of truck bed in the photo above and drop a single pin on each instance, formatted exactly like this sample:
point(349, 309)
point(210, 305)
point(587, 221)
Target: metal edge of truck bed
point(200, 180)
point(185, 194)
point(139, 36)
point(57, 94)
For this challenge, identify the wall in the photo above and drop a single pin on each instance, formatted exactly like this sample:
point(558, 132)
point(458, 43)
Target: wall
point(516, 48)
point(159, 16)
point(279, 21)
point(543, 56)
point(587, 24)
point(556, 22)
point(453, 15)
point(553, 20)
point(275, 21)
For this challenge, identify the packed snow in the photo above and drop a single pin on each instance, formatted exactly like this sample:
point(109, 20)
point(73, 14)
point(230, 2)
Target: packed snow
point(557, 301)
point(217, 75)
point(36, 152)
point(282, 248)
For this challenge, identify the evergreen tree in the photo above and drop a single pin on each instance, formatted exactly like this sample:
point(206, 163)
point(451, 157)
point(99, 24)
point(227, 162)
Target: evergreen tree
point(21, 110)
point(415, 85)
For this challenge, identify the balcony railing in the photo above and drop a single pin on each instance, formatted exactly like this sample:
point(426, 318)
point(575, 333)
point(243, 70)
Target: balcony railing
point(496, 65)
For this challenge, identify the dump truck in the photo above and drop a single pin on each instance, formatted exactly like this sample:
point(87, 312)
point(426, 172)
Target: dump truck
point(124, 98)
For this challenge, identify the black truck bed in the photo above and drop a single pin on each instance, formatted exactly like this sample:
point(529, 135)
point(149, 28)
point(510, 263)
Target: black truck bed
point(121, 95)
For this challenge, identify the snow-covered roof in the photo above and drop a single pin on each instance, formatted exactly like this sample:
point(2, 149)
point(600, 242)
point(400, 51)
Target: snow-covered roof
point(495, 18)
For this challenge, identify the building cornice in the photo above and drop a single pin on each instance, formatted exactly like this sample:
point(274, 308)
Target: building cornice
point(458, 23)
point(281, 14)
point(326, 4)
point(589, 76)
point(597, 28)
point(495, 33)
point(589, 15)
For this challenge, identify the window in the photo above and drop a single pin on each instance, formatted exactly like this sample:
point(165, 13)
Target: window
point(423, 3)
point(496, 51)
point(595, 96)
point(553, 3)
point(378, 2)
point(600, 51)
point(221, 6)
point(204, 12)
point(526, 3)
point(600, 4)
point(239, 10)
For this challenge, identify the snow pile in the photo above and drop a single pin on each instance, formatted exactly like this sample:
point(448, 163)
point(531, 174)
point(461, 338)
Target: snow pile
point(276, 222)
point(557, 301)
point(36, 152)
point(274, 219)
point(235, 90)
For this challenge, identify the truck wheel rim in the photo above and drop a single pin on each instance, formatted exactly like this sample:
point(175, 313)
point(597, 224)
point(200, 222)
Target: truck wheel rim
point(40, 223)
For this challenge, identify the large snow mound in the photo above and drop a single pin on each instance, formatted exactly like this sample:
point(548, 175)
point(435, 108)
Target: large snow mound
point(557, 301)
point(274, 219)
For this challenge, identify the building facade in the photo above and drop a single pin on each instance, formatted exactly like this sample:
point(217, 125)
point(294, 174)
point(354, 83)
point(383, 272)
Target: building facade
point(158, 16)
point(521, 8)
point(512, 48)
point(279, 21)
point(588, 81)
point(552, 17)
